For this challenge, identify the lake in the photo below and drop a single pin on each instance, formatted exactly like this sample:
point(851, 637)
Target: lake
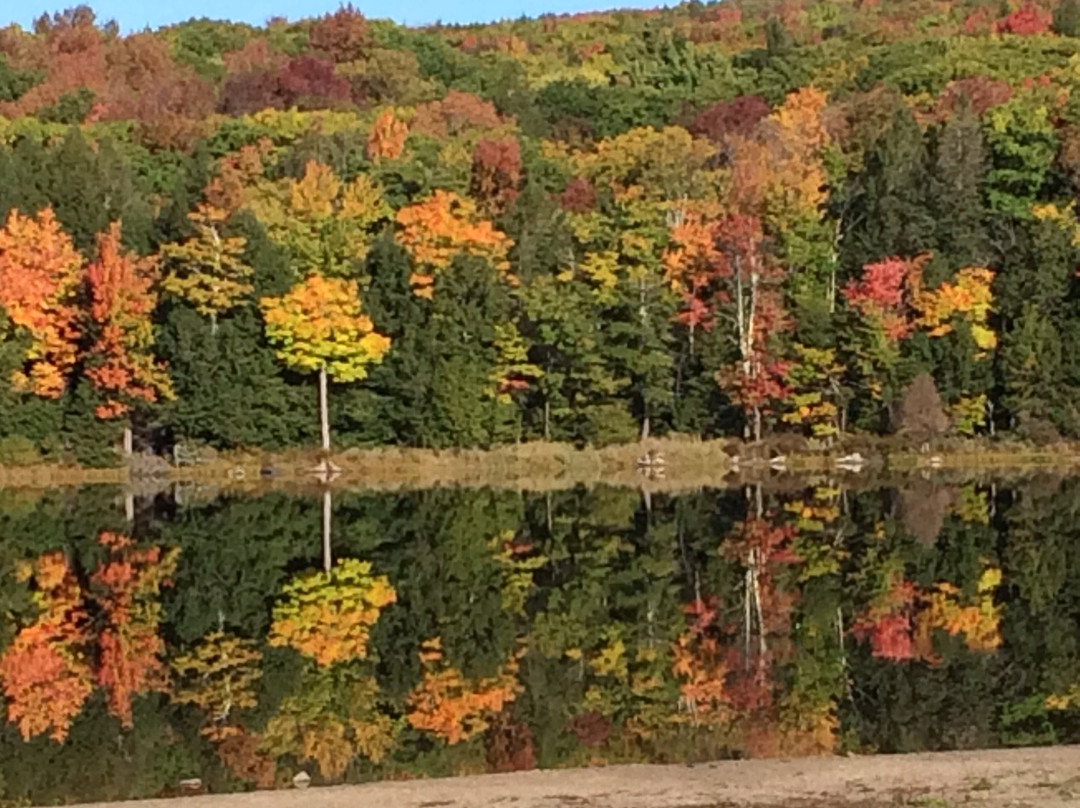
point(188, 635)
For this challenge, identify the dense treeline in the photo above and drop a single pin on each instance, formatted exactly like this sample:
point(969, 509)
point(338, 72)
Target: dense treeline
point(740, 218)
point(469, 631)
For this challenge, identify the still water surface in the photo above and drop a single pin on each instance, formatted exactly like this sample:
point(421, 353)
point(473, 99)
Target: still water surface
point(468, 631)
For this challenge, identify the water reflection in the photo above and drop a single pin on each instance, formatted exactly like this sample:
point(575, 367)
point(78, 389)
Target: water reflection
point(243, 639)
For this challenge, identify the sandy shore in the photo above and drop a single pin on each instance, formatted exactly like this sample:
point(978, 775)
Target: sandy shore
point(1010, 778)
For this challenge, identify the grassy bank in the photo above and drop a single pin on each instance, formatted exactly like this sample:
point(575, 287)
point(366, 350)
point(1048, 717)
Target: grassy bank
point(676, 464)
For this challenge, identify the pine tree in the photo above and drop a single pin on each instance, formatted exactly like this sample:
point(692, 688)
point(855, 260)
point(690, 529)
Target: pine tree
point(895, 217)
point(956, 190)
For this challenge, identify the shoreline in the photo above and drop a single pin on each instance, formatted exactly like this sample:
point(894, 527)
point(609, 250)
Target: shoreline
point(671, 464)
point(1047, 776)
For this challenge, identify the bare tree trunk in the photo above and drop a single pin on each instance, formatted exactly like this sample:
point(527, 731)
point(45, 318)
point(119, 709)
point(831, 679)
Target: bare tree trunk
point(835, 256)
point(324, 412)
point(547, 418)
point(327, 515)
point(128, 442)
point(747, 613)
point(746, 312)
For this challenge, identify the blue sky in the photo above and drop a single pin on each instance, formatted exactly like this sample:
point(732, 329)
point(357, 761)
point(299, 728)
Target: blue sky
point(137, 14)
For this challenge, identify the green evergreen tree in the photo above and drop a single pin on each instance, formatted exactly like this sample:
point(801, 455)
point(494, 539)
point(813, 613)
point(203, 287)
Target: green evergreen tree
point(956, 191)
point(895, 218)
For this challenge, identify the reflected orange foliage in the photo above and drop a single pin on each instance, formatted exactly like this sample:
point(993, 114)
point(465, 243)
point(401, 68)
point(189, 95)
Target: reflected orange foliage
point(452, 707)
point(45, 675)
point(131, 649)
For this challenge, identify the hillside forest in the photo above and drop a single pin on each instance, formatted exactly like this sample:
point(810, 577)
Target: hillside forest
point(744, 218)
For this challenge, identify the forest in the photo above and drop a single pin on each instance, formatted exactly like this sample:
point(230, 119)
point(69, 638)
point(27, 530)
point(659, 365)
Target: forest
point(742, 219)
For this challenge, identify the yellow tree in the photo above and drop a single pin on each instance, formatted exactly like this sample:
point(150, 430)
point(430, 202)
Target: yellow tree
point(328, 615)
point(333, 717)
point(218, 676)
point(319, 325)
point(207, 270)
point(326, 226)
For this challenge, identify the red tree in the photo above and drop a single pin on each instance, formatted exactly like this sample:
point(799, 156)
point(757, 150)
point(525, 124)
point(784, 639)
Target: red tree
point(1027, 20)
point(881, 293)
point(579, 196)
point(736, 117)
point(342, 36)
point(496, 174)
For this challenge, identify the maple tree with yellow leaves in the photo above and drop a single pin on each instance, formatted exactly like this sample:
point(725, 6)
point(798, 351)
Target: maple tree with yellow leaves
point(319, 325)
point(218, 676)
point(325, 225)
point(208, 270)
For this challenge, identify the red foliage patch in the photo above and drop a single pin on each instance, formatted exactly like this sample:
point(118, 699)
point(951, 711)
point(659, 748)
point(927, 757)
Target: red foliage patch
point(496, 173)
point(341, 36)
point(983, 93)
point(306, 82)
point(454, 114)
point(579, 196)
point(1028, 20)
point(736, 117)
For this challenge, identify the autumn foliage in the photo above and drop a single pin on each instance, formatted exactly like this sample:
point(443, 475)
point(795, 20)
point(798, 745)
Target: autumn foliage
point(121, 364)
point(218, 676)
point(442, 227)
point(452, 707)
point(132, 652)
point(328, 616)
point(51, 668)
point(45, 672)
point(319, 324)
point(387, 138)
point(40, 278)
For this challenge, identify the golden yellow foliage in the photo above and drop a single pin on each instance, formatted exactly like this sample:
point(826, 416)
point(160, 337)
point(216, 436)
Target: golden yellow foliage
point(328, 615)
point(320, 325)
point(218, 676)
point(444, 226)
